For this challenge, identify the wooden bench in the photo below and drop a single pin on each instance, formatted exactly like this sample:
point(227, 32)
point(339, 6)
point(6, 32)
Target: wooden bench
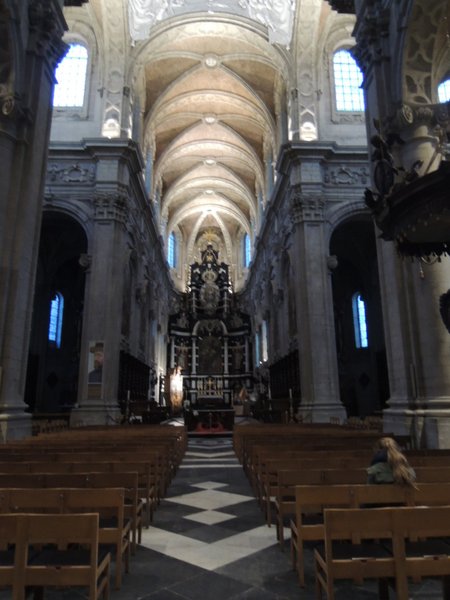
point(311, 501)
point(287, 480)
point(389, 543)
point(31, 561)
point(283, 493)
point(147, 483)
point(114, 529)
point(126, 480)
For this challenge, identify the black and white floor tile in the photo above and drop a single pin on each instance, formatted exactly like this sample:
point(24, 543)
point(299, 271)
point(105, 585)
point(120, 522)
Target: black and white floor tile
point(208, 541)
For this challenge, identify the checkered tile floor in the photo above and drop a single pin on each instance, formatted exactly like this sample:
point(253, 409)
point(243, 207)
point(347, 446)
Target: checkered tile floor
point(208, 541)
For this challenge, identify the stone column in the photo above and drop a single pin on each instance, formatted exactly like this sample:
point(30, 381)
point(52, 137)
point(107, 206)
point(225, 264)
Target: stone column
point(418, 348)
point(26, 87)
point(313, 295)
point(104, 309)
point(225, 355)
point(194, 356)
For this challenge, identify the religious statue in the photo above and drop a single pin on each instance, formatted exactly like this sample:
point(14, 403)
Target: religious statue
point(176, 390)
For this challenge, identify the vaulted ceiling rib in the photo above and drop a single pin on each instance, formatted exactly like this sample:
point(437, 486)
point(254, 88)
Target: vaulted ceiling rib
point(210, 123)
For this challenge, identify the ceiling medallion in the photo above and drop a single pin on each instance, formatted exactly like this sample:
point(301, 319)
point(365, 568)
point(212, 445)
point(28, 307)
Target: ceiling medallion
point(211, 61)
point(276, 15)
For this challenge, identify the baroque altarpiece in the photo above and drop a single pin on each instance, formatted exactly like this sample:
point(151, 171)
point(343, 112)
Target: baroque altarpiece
point(210, 338)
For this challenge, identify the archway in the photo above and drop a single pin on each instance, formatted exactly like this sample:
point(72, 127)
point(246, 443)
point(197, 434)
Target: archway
point(52, 376)
point(363, 378)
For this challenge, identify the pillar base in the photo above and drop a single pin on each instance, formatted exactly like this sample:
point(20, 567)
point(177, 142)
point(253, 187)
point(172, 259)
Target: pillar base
point(101, 414)
point(15, 426)
point(428, 428)
point(322, 413)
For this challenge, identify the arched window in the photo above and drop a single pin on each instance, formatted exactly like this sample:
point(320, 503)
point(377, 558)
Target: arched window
point(444, 91)
point(71, 78)
point(172, 251)
point(359, 321)
point(347, 82)
point(247, 250)
point(56, 320)
point(257, 349)
point(264, 342)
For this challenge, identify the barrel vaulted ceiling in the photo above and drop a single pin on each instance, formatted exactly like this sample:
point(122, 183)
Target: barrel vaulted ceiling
point(212, 95)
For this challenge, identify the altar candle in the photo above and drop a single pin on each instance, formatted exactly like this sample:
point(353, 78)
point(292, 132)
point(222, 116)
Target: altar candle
point(290, 393)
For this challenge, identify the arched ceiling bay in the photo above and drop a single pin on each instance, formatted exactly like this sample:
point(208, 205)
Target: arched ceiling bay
point(210, 123)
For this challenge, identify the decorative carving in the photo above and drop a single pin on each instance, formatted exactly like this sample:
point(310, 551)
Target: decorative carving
point(85, 261)
point(306, 207)
point(332, 262)
point(372, 37)
point(74, 173)
point(346, 175)
point(46, 30)
point(423, 28)
point(277, 16)
point(111, 206)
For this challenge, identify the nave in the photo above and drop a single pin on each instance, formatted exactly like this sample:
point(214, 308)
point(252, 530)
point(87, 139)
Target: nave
point(209, 541)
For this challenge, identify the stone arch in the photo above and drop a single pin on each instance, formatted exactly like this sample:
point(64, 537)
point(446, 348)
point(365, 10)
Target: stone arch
point(353, 268)
point(52, 376)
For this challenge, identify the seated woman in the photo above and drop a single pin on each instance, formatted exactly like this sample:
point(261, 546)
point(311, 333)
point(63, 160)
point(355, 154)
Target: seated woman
point(389, 465)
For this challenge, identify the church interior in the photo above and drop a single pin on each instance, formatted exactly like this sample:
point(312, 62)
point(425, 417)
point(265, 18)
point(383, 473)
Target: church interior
point(218, 215)
point(251, 195)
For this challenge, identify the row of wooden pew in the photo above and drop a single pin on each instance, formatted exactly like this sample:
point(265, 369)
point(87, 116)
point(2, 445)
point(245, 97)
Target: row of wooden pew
point(299, 476)
point(116, 474)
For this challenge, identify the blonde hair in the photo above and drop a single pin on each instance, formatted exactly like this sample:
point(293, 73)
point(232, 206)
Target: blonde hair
point(402, 472)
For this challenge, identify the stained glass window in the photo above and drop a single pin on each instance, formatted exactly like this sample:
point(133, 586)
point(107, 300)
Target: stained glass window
point(359, 321)
point(56, 319)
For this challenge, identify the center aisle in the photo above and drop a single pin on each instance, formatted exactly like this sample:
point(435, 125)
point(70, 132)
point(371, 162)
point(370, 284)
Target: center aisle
point(209, 541)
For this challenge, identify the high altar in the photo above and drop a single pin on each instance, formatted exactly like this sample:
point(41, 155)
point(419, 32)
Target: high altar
point(210, 342)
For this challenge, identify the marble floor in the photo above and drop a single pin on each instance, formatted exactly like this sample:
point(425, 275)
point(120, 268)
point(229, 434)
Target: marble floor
point(208, 541)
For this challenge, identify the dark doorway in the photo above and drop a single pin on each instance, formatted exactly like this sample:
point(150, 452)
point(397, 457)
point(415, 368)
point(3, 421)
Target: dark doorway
point(52, 376)
point(363, 378)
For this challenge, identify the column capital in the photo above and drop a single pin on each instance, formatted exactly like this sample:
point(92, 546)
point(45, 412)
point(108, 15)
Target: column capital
point(110, 206)
point(306, 206)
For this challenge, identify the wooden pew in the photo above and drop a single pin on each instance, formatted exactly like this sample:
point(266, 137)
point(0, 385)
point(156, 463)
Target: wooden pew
point(271, 462)
point(284, 480)
point(311, 501)
point(146, 489)
point(114, 529)
point(158, 469)
point(288, 480)
point(412, 547)
point(60, 566)
point(126, 480)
